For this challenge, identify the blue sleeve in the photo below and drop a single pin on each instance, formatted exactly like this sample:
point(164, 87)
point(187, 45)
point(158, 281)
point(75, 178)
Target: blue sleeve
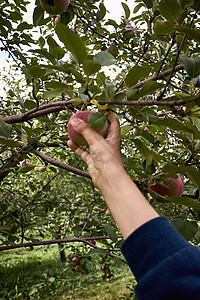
point(163, 263)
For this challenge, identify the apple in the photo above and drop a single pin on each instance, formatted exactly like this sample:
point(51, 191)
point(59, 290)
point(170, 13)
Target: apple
point(9, 155)
point(75, 259)
point(107, 211)
point(76, 137)
point(42, 168)
point(54, 7)
point(112, 50)
point(131, 27)
point(108, 275)
point(134, 130)
point(103, 268)
point(172, 187)
point(73, 193)
point(25, 163)
point(57, 19)
point(77, 267)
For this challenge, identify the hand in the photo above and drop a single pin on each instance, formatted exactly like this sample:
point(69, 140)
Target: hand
point(104, 156)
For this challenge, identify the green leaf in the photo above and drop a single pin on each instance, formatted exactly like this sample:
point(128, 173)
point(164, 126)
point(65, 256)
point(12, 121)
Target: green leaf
point(90, 67)
point(170, 9)
point(5, 129)
point(97, 251)
point(178, 125)
point(146, 152)
point(38, 15)
point(104, 59)
point(126, 10)
point(184, 200)
point(136, 73)
point(26, 169)
point(58, 53)
point(187, 229)
point(101, 12)
point(111, 232)
point(161, 28)
point(55, 85)
point(8, 142)
point(192, 65)
point(96, 120)
point(53, 93)
point(149, 3)
point(150, 87)
point(72, 42)
point(36, 71)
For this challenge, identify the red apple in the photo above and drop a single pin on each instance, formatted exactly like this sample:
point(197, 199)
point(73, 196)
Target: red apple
point(77, 267)
point(107, 211)
point(112, 50)
point(54, 7)
point(108, 275)
point(57, 19)
point(73, 193)
point(42, 168)
point(75, 259)
point(103, 268)
point(25, 163)
point(76, 137)
point(172, 187)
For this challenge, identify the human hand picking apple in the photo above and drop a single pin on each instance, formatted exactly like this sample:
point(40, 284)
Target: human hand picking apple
point(104, 155)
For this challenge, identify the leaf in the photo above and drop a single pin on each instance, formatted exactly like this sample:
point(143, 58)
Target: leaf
point(150, 87)
point(184, 200)
point(97, 251)
point(38, 15)
point(126, 10)
point(96, 120)
point(90, 67)
point(55, 85)
point(53, 93)
point(170, 9)
point(135, 74)
point(5, 129)
point(36, 71)
point(9, 142)
point(187, 229)
point(104, 58)
point(72, 42)
point(192, 65)
point(161, 28)
point(146, 152)
point(26, 169)
point(178, 125)
point(149, 3)
point(101, 12)
point(111, 232)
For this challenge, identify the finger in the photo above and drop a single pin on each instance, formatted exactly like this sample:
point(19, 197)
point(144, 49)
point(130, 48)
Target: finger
point(114, 131)
point(84, 155)
point(90, 135)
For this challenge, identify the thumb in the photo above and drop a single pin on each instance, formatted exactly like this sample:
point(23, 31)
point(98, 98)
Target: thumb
point(78, 124)
point(90, 135)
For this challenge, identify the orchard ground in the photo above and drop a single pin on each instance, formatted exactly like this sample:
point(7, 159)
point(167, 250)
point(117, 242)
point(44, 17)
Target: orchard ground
point(41, 275)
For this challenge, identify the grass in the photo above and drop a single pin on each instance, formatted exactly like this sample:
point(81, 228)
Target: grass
point(39, 274)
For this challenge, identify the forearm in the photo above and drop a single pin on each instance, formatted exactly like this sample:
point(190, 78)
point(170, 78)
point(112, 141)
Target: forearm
point(128, 206)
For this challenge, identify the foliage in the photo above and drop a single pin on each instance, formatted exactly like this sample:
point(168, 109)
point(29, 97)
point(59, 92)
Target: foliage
point(152, 85)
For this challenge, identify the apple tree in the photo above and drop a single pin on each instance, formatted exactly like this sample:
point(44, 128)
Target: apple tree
point(145, 68)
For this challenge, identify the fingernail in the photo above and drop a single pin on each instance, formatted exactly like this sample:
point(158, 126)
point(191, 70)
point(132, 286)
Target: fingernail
point(74, 122)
